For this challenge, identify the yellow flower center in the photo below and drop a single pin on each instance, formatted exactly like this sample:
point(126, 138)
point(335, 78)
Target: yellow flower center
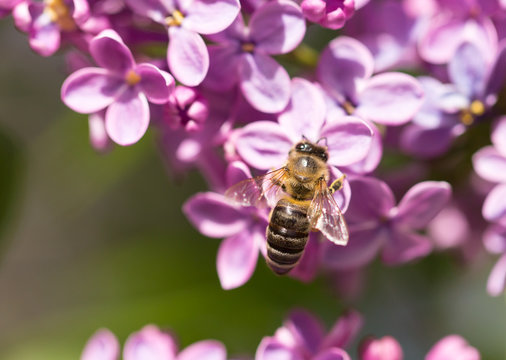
point(467, 116)
point(348, 107)
point(59, 13)
point(175, 19)
point(132, 78)
point(248, 47)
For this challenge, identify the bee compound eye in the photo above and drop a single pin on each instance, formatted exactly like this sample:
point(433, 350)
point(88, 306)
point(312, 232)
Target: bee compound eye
point(300, 146)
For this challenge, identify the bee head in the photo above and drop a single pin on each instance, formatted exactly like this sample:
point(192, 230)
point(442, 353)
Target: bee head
point(306, 147)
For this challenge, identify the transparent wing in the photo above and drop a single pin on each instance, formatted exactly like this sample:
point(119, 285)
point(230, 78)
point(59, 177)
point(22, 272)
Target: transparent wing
point(252, 192)
point(324, 214)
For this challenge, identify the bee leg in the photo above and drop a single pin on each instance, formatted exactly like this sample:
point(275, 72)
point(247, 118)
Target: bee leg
point(337, 184)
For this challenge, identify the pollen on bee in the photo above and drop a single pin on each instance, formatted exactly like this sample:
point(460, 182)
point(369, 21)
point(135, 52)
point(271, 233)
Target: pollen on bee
point(132, 78)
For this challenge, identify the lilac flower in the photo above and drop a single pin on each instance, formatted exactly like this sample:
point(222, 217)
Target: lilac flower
point(456, 22)
point(103, 345)
point(242, 55)
point(302, 337)
point(242, 227)
point(377, 225)
point(450, 108)
point(331, 14)
point(389, 32)
point(121, 86)
point(345, 71)
point(265, 144)
point(187, 54)
point(150, 343)
point(386, 348)
point(49, 21)
point(453, 347)
point(186, 108)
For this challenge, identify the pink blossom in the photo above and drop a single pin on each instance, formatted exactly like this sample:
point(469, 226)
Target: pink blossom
point(453, 347)
point(302, 337)
point(120, 86)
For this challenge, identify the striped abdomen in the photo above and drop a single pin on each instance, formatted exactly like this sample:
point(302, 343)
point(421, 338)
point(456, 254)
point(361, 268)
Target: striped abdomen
point(287, 235)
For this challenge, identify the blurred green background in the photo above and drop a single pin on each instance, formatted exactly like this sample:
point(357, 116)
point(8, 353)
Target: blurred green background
point(90, 241)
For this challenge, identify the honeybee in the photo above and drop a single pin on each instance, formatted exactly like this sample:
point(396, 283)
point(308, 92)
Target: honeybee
point(304, 203)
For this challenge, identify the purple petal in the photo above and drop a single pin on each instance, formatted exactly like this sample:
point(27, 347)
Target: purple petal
point(453, 347)
point(264, 83)
point(490, 165)
point(390, 98)
point(263, 145)
point(213, 216)
point(404, 246)
point(308, 265)
point(362, 248)
point(386, 348)
point(426, 143)
point(306, 330)
point(497, 278)
point(372, 200)
point(494, 207)
point(439, 43)
point(494, 239)
point(451, 217)
point(349, 140)
point(98, 136)
point(90, 90)
point(204, 350)
point(332, 354)
point(149, 344)
point(237, 171)
point(111, 53)
point(343, 65)
point(271, 349)
point(187, 56)
point(21, 15)
point(305, 114)
point(277, 27)
point(497, 74)
point(156, 85)
point(422, 203)
point(237, 258)
point(498, 136)
point(103, 345)
point(467, 70)
point(81, 11)
point(45, 38)
point(156, 10)
point(223, 67)
point(127, 119)
point(211, 16)
point(373, 157)
point(344, 330)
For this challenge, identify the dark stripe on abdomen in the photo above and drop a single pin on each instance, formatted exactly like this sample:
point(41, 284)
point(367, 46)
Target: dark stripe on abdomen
point(287, 235)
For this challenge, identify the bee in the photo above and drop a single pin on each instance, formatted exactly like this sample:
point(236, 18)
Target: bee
point(303, 203)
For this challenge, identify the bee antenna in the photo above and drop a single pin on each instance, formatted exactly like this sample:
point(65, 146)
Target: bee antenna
point(324, 140)
point(305, 138)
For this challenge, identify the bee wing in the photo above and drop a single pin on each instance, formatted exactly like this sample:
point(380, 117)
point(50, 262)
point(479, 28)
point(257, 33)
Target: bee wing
point(324, 214)
point(251, 192)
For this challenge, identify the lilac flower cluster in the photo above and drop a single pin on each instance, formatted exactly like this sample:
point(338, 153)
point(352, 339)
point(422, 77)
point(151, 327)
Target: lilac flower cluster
point(408, 99)
point(302, 337)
